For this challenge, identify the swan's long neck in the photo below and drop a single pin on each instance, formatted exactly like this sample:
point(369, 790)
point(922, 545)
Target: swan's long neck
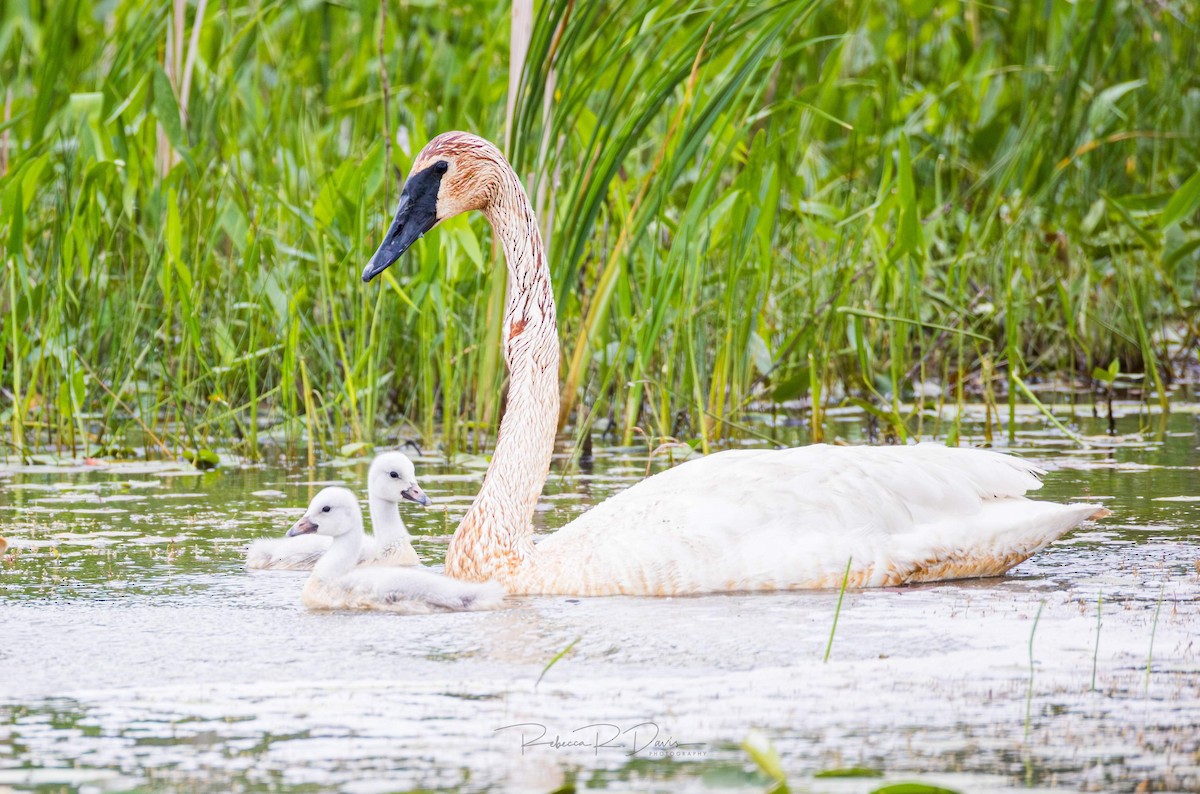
point(495, 536)
point(386, 522)
point(341, 558)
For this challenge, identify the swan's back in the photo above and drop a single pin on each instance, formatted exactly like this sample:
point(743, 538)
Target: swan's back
point(301, 553)
point(791, 519)
point(403, 590)
point(287, 554)
point(401, 553)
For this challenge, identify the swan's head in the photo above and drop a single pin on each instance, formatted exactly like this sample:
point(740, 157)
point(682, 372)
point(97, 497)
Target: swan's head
point(393, 479)
point(334, 511)
point(456, 172)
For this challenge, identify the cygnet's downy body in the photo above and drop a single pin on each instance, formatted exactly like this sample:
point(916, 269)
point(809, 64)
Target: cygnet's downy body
point(338, 581)
point(391, 480)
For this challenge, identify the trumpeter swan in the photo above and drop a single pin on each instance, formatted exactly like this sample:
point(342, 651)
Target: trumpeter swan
point(736, 520)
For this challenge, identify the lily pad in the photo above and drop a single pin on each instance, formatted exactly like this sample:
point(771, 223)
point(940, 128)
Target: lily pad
point(913, 788)
point(203, 458)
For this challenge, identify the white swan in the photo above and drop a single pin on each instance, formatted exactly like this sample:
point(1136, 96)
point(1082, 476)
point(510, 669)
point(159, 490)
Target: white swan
point(737, 520)
point(339, 582)
point(390, 480)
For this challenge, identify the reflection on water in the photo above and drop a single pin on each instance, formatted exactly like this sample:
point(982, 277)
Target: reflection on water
point(138, 653)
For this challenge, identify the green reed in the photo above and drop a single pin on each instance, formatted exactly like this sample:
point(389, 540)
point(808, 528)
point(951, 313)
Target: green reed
point(838, 610)
point(744, 203)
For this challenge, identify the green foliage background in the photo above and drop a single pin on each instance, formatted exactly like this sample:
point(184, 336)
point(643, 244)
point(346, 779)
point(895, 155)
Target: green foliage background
point(743, 200)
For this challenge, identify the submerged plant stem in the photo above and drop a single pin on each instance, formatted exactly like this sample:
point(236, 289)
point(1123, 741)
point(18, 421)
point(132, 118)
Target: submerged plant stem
point(1096, 650)
point(838, 611)
point(1029, 691)
point(1154, 630)
point(555, 660)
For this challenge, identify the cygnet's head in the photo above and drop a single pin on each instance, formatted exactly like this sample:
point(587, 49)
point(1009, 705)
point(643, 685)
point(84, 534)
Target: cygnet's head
point(334, 511)
point(393, 479)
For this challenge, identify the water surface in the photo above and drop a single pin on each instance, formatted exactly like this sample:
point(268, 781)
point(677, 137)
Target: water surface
point(138, 654)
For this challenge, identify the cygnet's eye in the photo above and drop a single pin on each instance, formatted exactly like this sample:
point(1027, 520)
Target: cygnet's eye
point(395, 476)
point(325, 509)
point(442, 166)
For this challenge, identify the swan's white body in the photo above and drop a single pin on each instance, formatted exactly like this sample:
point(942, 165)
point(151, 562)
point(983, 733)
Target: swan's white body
point(738, 520)
point(390, 545)
point(792, 519)
point(339, 582)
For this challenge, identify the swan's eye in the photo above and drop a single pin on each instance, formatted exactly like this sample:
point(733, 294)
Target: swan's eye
point(395, 476)
point(441, 166)
point(325, 509)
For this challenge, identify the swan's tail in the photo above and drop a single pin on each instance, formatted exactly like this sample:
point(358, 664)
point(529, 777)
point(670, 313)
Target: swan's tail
point(1068, 517)
point(1020, 529)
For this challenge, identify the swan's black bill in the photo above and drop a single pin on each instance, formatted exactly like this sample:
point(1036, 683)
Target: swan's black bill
point(416, 215)
point(304, 526)
point(415, 494)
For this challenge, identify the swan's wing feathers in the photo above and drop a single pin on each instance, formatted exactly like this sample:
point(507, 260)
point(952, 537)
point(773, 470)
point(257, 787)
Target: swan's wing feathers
point(922, 483)
point(889, 488)
point(287, 554)
point(821, 488)
point(767, 519)
point(400, 553)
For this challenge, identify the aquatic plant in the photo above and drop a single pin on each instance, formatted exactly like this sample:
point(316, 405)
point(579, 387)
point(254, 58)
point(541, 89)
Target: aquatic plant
point(1154, 630)
point(1029, 691)
point(764, 755)
point(838, 610)
point(1096, 649)
point(557, 658)
point(746, 203)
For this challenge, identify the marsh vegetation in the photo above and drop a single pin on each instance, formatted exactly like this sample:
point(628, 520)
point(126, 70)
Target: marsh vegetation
point(767, 223)
point(746, 204)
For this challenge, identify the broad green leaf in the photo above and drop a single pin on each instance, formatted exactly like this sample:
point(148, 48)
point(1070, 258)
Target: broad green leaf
point(353, 450)
point(764, 755)
point(202, 458)
point(793, 387)
point(1184, 203)
point(466, 238)
point(1178, 248)
point(1104, 107)
point(759, 353)
point(31, 179)
point(166, 109)
point(908, 235)
point(86, 106)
